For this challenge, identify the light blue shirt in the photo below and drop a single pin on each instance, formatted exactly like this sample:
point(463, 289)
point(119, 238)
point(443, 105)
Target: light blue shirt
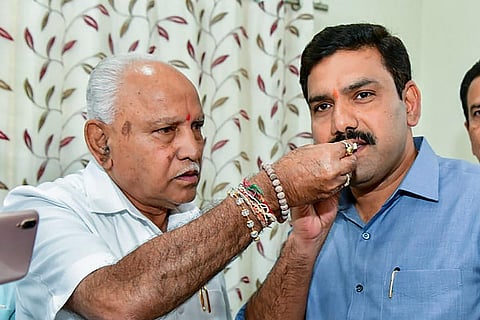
point(428, 230)
point(7, 301)
point(86, 223)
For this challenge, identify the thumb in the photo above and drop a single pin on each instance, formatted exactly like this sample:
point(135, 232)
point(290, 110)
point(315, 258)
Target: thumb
point(301, 211)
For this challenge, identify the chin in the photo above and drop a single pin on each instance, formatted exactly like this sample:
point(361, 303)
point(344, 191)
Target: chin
point(187, 198)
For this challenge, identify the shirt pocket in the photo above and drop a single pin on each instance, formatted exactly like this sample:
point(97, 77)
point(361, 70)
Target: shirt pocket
point(423, 294)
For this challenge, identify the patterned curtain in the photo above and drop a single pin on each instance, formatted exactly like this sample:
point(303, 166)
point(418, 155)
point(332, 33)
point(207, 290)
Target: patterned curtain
point(242, 55)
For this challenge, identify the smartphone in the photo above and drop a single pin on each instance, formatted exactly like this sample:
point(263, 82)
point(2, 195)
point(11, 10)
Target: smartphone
point(17, 237)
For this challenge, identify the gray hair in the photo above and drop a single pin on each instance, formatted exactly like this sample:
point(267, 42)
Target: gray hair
point(104, 82)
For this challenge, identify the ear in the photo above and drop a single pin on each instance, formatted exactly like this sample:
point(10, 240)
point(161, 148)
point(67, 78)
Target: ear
point(412, 100)
point(96, 137)
point(466, 124)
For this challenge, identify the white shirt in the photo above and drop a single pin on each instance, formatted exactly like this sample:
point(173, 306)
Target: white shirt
point(87, 223)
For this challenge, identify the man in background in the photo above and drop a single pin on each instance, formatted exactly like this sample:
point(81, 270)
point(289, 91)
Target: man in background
point(470, 98)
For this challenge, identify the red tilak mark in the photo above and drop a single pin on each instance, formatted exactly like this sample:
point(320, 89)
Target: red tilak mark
point(188, 117)
point(335, 93)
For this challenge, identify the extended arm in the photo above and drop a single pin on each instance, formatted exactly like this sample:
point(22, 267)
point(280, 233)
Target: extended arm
point(162, 273)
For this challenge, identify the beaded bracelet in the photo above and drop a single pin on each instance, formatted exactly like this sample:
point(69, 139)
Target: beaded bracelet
point(239, 201)
point(277, 186)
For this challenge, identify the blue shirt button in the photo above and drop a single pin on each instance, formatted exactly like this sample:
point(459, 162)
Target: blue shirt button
point(366, 236)
point(359, 288)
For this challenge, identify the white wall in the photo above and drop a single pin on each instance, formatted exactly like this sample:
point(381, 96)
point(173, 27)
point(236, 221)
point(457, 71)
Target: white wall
point(451, 44)
point(443, 42)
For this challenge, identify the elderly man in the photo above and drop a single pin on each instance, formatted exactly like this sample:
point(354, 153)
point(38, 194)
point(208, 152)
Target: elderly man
point(405, 241)
point(122, 238)
point(470, 98)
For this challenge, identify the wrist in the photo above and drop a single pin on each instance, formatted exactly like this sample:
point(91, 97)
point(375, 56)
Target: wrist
point(249, 198)
point(279, 192)
point(306, 246)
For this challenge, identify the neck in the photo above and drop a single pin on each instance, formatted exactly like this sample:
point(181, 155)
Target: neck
point(159, 219)
point(370, 200)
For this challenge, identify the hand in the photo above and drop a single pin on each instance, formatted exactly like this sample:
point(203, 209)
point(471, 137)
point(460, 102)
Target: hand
point(314, 172)
point(313, 222)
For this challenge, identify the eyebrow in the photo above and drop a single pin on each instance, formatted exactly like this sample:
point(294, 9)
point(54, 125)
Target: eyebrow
point(165, 120)
point(357, 85)
point(174, 120)
point(352, 87)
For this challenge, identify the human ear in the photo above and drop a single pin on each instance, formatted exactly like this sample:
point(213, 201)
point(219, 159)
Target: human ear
point(96, 137)
point(412, 100)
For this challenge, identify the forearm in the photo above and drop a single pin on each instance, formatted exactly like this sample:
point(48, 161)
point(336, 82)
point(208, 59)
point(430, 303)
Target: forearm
point(162, 273)
point(284, 293)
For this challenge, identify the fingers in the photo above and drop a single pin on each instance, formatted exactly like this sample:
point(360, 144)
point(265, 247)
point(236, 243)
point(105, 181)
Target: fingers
point(315, 172)
point(349, 147)
point(349, 160)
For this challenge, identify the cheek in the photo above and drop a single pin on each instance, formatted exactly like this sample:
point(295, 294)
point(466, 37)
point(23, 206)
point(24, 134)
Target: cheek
point(133, 165)
point(155, 169)
point(202, 145)
point(320, 132)
point(474, 133)
point(138, 160)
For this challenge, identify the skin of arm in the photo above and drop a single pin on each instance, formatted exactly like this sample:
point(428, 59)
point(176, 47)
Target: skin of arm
point(172, 266)
point(284, 293)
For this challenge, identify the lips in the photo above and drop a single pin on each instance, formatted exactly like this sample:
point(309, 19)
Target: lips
point(189, 174)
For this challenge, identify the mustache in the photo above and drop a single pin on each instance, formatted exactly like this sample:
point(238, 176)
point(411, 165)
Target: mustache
point(193, 166)
point(367, 137)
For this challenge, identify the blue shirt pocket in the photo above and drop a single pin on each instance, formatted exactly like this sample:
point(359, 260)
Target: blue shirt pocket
point(423, 294)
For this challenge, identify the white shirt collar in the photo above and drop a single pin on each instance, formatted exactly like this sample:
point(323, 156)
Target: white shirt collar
point(106, 197)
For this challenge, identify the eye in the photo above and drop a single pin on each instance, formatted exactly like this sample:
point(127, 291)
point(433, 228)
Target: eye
point(197, 129)
point(198, 125)
point(167, 130)
point(321, 107)
point(363, 95)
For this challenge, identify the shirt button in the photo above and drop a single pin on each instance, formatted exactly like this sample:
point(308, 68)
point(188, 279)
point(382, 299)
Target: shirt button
point(366, 236)
point(359, 288)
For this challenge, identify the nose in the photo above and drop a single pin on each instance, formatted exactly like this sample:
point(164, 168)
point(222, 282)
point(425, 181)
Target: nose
point(344, 118)
point(190, 145)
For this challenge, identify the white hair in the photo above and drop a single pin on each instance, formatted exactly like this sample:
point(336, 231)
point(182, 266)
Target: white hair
point(104, 82)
